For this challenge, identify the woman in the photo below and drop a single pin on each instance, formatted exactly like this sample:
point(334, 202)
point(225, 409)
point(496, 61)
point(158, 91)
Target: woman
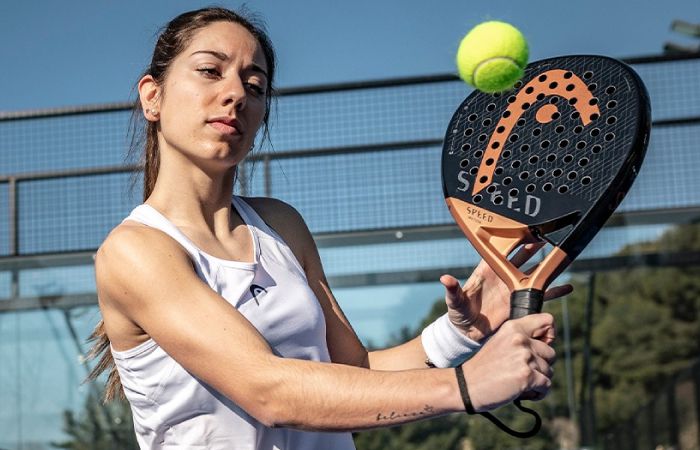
point(218, 322)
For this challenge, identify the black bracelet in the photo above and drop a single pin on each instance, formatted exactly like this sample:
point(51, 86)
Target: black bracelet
point(462, 383)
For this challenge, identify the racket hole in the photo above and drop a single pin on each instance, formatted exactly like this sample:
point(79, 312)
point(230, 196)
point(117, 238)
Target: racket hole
point(530, 188)
point(482, 137)
point(593, 101)
point(554, 100)
point(495, 145)
point(477, 198)
point(575, 115)
point(559, 129)
point(556, 115)
point(474, 170)
point(563, 143)
point(611, 120)
point(610, 90)
point(540, 96)
point(513, 192)
point(507, 180)
point(478, 154)
point(578, 129)
point(500, 129)
point(529, 90)
point(551, 157)
point(511, 99)
point(570, 87)
point(545, 144)
point(588, 75)
point(497, 200)
point(491, 189)
point(595, 132)
point(518, 84)
point(540, 173)
point(472, 117)
point(581, 145)
point(514, 137)
point(542, 78)
point(515, 164)
point(609, 137)
point(594, 116)
point(486, 122)
point(483, 179)
point(572, 175)
point(557, 172)
point(496, 94)
point(568, 158)
point(498, 171)
point(525, 106)
point(573, 101)
point(506, 114)
point(524, 175)
point(489, 162)
point(520, 122)
point(466, 147)
point(583, 162)
point(596, 148)
point(563, 189)
point(468, 132)
point(553, 85)
point(464, 163)
point(586, 181)
point(524, 148)
point(505, 154)
point(592, 87)
point(568, 75)
point(533, 159)
point(547, 187)
point(490, 107)
point(536, 132)
point(612, 104)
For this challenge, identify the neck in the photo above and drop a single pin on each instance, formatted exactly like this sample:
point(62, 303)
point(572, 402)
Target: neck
point(192, 197)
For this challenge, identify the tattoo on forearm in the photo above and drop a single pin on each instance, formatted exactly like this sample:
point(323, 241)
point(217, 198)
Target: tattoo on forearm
point(426, 411)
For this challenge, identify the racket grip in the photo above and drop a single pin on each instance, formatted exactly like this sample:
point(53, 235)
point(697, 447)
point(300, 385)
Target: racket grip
point(526, 302)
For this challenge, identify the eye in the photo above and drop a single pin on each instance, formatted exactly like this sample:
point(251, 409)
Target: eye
point(209, 72)
point(257, 90)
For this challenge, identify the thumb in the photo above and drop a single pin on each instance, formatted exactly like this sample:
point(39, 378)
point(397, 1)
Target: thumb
point(453, 291)
point(539, 326)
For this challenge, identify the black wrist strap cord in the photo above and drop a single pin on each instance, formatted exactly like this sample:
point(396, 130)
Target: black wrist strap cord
point(469, 408)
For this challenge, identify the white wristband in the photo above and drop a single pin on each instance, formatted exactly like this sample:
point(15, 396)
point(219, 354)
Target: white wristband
point(445, 345)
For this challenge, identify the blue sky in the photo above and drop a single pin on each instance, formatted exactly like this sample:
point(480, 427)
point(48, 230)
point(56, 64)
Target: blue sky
point(62, 53)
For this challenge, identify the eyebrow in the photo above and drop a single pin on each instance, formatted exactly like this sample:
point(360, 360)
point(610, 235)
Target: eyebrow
point(224, 57)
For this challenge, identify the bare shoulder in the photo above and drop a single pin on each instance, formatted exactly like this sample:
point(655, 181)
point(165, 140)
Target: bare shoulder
point(132, 250)
point(287, 222)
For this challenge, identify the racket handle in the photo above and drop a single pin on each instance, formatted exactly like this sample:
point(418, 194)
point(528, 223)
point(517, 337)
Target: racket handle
point(526, 302)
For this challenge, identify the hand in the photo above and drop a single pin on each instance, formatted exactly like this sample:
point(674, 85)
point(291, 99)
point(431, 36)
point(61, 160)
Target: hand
point(483, 304)
point(515, 363)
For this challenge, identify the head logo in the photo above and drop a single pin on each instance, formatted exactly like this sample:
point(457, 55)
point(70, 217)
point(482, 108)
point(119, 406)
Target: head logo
point(257, 291)
point(562, 83)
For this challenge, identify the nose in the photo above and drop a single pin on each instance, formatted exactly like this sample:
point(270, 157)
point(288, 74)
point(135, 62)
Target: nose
point(235, 95)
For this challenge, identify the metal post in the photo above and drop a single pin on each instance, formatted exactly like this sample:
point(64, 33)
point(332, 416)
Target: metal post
point(587, 403)
point(567, 362)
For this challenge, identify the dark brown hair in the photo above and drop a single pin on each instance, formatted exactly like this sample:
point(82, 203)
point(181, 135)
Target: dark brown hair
point(173, 39)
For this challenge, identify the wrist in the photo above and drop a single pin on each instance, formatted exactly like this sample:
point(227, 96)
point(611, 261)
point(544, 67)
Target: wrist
point(445, 345)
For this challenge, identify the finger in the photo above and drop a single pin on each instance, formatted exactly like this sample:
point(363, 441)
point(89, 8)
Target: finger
point(540, 383)
point(558, 291)
point(453, 291)
point(543, 353)
point(535, 325)
point(526, 252)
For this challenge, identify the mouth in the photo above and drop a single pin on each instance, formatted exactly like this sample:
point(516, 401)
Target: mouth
point(226, 125)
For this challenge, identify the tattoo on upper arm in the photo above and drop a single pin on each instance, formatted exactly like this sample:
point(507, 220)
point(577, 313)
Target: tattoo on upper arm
point(393, 415)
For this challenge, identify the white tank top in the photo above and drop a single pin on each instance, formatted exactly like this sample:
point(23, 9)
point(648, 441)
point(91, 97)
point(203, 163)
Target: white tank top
point(173, 409)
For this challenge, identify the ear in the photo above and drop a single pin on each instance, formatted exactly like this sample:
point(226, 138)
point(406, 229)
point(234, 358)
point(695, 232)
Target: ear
point(149, 96)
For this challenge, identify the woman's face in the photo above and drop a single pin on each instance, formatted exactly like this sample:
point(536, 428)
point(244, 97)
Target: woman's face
point(213, 98)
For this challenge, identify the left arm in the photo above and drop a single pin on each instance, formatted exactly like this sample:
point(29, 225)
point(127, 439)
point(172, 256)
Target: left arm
point(478, 309)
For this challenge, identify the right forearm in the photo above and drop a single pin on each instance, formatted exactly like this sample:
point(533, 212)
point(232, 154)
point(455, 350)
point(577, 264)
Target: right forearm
point(334, 397)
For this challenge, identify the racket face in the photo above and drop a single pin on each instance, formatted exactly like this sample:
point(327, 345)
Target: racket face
point(549, 160)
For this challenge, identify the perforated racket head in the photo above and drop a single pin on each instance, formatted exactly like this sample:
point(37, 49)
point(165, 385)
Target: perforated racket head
point(549, 160)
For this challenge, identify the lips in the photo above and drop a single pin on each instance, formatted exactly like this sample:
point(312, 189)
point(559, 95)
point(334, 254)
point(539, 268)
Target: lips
point(226, 125)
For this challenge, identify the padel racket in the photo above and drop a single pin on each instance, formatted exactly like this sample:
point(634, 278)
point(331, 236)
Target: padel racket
point(549, 160)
